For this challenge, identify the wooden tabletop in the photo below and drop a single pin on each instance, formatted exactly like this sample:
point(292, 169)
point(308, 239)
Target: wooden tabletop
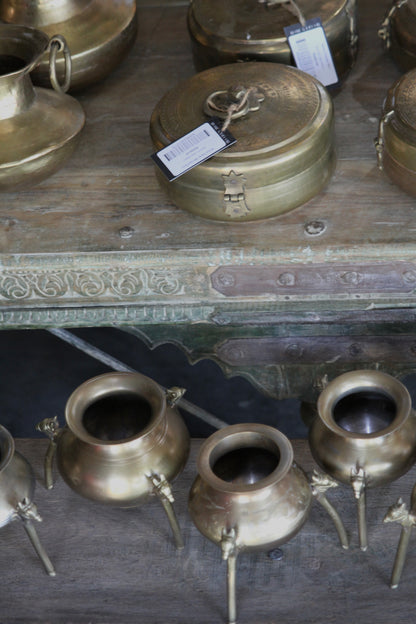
point(101, 234)
point(116, 565)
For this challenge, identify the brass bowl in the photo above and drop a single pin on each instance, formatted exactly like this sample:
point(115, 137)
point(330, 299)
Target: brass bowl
point(99, 34)
point(17, 488)
point(39, 128)
point(364, 433)
point(250, 30)
point(123, 442)
point(284, 154)
point(396, 142)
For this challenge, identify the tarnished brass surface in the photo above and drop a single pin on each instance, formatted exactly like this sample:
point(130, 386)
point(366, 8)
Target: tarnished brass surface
point(247, 480)
point(39, 127)
point(17, 488)
point(119, 471)
point(250, 30)
point(99, 33)
point(284, 152)
point(364, 420)
point(398, 32)
point(396, 142)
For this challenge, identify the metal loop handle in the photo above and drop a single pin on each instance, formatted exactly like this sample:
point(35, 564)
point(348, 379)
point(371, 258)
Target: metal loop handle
point(57, 44)
point(233, 103)
point(290, 5)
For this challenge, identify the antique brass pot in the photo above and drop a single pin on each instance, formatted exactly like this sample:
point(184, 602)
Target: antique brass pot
point(284, 153)
point(17, 488)
point(396, 141)
point(252, 30)
point(99, 33)
point(39, 127)
point(398, 32)
point(364, 434)
point(250, 495)
point(123, 442)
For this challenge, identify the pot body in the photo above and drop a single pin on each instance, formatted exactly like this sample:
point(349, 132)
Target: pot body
point(39, 128)
point(250, 30)
point(120, 431)
point(17, 481)
point(364, 421)
point(284, 152)
point(396, 144)
point(99, 34)
point(399, 33)
point(248, 481)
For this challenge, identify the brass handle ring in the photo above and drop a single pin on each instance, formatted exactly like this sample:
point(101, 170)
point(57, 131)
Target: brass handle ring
point(59, 44)
point(219, 103)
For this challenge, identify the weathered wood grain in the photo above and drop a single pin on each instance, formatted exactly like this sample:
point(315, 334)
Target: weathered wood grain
point(117, 565)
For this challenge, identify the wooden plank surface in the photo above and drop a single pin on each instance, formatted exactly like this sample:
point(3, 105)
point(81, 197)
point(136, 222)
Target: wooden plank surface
point(109, 182)
point(117, 565)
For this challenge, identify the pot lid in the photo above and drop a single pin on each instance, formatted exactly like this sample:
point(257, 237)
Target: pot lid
point(402, 99)
point(250, 20)
point(283, 105)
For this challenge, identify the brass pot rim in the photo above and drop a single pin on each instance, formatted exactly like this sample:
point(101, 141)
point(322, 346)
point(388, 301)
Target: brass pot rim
point(356, 381)
point(109, 384)
point(239, 436)
point(19, 31)
point(7, 447)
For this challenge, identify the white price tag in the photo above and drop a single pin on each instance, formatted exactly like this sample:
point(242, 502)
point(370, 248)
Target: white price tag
point(311, 51)
point(193, 148)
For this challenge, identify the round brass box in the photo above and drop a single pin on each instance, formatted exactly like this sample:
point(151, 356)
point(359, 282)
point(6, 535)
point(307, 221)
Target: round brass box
point(284, 150)
point(398, 31)
point(396, 143)
point(252, 30)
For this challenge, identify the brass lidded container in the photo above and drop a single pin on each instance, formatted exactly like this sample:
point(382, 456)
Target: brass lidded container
point(396, 141)
point(39, 128)
point(124, 442)
point(284, 153)
point(252, 30)
point(364, 434)
point(398, 31)
point(99, 33)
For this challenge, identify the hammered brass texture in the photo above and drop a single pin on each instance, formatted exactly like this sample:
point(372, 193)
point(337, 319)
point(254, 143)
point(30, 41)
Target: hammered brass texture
point(251, 30)
point(39, 128)
point(284, 153)
point(99, 34)
point(397, 136)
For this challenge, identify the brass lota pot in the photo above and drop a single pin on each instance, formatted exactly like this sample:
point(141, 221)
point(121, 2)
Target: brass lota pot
point(396, 141)
point(284, 154)
point(364, 434)
point(99, 33)
point(250, 495)
point(252, 30)
point(398, 32)
point(39, 128)
point(17, 487)
point(123, 442)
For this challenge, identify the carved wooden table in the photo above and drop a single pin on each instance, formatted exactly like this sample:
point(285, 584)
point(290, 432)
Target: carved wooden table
point(120, 565)
point(326, 288)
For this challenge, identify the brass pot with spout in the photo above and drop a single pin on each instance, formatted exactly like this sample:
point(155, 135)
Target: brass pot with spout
point(39, 128)
point(17, 488)
point(99, 33)
point(124, 441)
point(250, 494)
point(364, 434)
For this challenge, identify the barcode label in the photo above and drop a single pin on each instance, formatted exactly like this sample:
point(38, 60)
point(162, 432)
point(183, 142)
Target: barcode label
point(311, 51)
point(192, 149)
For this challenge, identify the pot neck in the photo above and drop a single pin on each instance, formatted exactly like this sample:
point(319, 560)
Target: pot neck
point(16, 94)
point(40, 13)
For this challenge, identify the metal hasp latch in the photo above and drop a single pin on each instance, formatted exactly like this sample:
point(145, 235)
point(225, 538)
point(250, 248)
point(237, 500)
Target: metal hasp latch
point(234, 195)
